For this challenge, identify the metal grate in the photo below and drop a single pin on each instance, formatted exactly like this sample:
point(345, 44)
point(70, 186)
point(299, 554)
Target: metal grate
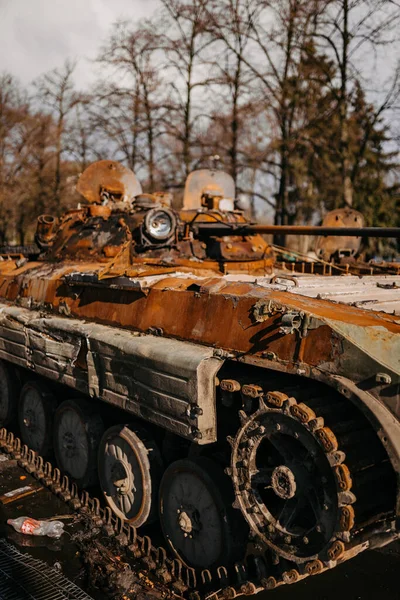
point(25, 578)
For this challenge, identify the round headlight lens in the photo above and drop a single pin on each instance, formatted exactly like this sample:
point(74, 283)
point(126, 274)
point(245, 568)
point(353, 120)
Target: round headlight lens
point(160, 224)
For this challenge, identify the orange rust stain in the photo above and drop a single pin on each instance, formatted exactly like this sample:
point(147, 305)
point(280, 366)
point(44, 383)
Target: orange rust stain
point(319, 346)
point(331, 310)
point(221, 318)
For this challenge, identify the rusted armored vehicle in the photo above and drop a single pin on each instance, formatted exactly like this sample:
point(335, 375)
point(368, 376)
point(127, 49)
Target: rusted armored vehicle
point(240, 399)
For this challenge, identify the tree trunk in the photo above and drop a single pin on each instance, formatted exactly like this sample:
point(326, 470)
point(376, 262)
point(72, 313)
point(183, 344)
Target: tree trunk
point(57, 174)
point(150, 136)
point(187, 129)
point(187, 154)
point(235, 122)
point(136, 116)
point(347, 188)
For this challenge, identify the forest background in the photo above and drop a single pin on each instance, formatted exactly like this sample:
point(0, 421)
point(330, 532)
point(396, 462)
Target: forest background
point(287, 93)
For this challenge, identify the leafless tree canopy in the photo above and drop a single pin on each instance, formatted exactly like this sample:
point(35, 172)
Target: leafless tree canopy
point(285, 92)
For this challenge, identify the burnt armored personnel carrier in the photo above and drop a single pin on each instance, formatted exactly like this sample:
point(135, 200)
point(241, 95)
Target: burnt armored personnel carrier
point(243, 401)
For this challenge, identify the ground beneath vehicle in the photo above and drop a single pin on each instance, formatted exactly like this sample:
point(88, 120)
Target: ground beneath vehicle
point(242, 405)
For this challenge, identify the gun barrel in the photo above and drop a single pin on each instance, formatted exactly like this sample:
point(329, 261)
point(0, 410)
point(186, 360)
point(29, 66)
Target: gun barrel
point(222, 229)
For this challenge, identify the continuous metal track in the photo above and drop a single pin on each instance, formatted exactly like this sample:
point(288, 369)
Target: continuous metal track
point(172, 578)
point(25, 578)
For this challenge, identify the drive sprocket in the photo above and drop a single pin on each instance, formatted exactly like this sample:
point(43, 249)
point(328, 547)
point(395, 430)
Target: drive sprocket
point(299, 473)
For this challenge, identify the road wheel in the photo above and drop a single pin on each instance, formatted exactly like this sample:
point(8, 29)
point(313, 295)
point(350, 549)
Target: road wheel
point(130, 469)
point(9, 392)
point(77, 433)
point(196, 515)
point(35, 415)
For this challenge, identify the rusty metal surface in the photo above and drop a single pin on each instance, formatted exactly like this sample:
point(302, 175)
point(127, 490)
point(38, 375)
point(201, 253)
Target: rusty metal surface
point(345, 246)
point(207, 180)
point(170, 319)
point(213, 311)
point(108, 176)
point(161, 380)
point(377, 293)
point(330, 338)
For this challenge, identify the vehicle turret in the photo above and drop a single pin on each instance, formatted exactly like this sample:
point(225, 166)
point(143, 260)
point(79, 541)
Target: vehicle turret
point(119, 223)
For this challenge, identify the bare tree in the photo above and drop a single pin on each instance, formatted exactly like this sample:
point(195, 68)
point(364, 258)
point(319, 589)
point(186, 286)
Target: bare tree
point(15, 136)
point(230, 22)
point(81, 141)
point(277, 88)
point(347, 29)
point(391, 95)
point(56, 90)
point(130, 52)
point(115, 117)
point(278, 33)
point(184, 38)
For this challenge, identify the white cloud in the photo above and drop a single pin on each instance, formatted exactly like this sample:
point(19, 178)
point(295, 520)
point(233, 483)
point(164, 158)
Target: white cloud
point(39, 35)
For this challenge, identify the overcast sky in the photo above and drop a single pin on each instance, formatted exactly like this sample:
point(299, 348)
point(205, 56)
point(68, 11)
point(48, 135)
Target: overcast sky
point(38, 35)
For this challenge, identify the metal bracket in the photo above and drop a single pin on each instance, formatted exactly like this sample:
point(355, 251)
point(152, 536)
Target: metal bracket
point(291, 322)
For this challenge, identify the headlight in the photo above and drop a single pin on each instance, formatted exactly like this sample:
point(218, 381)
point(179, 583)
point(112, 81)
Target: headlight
point(160, 224)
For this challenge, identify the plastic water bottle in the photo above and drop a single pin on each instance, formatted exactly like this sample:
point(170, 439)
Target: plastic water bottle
point(29, 526)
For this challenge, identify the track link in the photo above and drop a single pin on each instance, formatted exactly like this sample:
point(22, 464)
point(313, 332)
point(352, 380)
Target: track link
point(316, 440)
point(262, 570)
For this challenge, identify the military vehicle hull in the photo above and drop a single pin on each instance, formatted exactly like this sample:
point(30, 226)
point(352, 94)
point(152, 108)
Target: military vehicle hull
point(243, 405)
point(174, 350)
